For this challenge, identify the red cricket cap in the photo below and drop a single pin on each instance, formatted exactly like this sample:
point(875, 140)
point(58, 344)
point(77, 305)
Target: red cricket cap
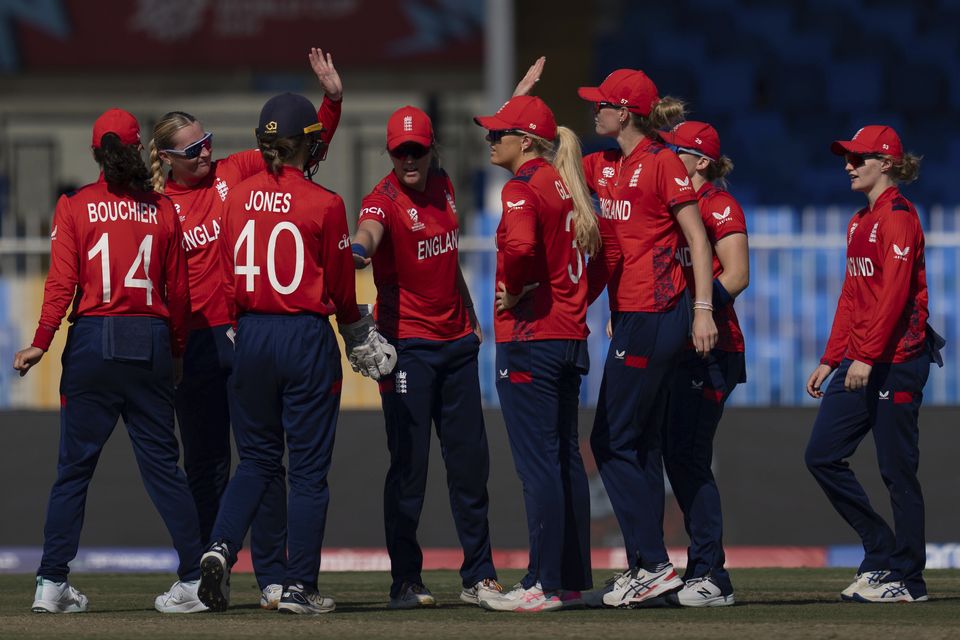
point(626, 87)
point(119, 122)
point(874, 138)
point(695, 136)
point(524, 113)
point(409, 124)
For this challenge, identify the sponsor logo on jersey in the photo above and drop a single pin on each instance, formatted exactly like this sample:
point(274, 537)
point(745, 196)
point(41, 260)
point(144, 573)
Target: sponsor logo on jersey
point(344, 243)
point(504, 373)
point(53, 233)
point(873, 232)
point(884, 395)
point(377, 211)
point(608, 172)
point(602, 182)
point(900, 254)
point(516, 205)
point(222, 188)
point(722, 217)
point(683, 183)
point(636, 175)
point(696, 384)
point(415, 219)
point(401, 380)
point(614, 209)
point(438, 245)
point(862, 267)
point(619, 355)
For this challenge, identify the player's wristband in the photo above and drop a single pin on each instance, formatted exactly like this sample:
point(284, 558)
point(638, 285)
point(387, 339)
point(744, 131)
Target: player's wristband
point(358, 249)
point(721, 297)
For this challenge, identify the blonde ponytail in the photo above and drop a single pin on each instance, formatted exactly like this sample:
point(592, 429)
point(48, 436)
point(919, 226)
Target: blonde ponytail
point(157, 178)
point(907, 169)
point(568, 161)
point(664, 114)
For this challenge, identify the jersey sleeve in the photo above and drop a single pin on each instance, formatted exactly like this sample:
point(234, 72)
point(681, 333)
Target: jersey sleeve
point(339, 277)
point(589, 163)
point(177, 285)
point(329, 114)
point(376, 207)
point(673, 183)
point(900, 241)
point(520, 234)
point(244, 164)
point(840, 332)
point(61, 285)
point(724, 218)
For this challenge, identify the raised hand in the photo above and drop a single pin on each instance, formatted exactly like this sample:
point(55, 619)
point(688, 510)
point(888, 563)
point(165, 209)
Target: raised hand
point(322, 65)
point(525, 86)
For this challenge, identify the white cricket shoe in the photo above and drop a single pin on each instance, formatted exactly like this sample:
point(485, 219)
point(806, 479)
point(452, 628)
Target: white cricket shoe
point(214, 589)
point(296, 599)
point(886, 592)
point(644, 586)
point(483, 590)
point(182, 598)
point(594, 598)
point(270, 596)
point(532, 600)
point(861, 581)
point(58, 597)
point(703, 592)
point(412, 596)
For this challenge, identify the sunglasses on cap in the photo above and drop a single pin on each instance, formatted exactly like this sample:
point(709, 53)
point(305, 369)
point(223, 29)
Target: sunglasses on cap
point(693, 152)
point(857, 160)
point(410, 149)
point(194, 149)
point(599, 106)
point(494, 136)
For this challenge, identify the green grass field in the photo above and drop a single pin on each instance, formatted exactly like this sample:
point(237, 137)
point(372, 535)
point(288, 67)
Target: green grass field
point(772, 603)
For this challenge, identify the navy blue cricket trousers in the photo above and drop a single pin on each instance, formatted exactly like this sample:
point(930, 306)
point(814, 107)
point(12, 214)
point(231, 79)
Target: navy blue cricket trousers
point(285, 386)
point(699, 389)
point(889, 407)
point(95, 391)
point(436, 381)
point(538, 382)
point(631, 412)
point(204, 417)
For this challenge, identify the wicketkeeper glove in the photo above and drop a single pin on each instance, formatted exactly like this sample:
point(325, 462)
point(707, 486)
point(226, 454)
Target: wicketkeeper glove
point(369, 352)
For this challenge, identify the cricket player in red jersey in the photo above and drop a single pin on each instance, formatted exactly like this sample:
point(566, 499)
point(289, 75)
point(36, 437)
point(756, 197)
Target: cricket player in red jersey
point(198, 186)
point(546, 230)
point(879, 351)
point(116, 257)
point(648, 207)
point(408, 227)
point(287, 252)
point(702, 385)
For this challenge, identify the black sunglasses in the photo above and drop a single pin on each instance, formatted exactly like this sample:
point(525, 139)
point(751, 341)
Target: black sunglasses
point(194, 149)
point(496, 135)
point(607, 105)
point(410, 149)
point(857, 160)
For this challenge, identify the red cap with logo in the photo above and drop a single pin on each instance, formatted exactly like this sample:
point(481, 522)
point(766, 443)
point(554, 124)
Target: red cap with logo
point(695, 136)
point(118, 122)
point(627, 88)
point(523, 113)
point(409, 124)
point(874, 138)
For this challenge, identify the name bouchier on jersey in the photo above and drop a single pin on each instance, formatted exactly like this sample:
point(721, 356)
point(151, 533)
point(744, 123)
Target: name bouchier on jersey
point(126, 210)
point(438, 245)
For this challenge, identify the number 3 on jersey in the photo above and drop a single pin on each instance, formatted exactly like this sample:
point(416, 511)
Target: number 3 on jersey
point(250, 269)
point(102, 247)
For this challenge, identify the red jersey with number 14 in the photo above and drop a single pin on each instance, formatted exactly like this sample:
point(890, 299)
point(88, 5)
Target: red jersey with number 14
point(415, 266)
point(115, 253)
point(535, 243)
point(286, 248)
